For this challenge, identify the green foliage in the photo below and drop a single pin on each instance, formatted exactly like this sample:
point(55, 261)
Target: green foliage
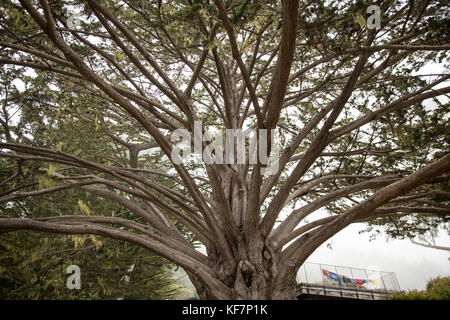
point(439, 288)
point(33, 266)
point(436, 289)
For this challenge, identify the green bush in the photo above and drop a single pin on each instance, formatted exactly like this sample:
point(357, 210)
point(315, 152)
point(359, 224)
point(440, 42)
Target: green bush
point(439, 288)
point(436, 289)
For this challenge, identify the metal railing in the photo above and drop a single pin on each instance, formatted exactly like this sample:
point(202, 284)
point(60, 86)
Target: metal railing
point(348, 282)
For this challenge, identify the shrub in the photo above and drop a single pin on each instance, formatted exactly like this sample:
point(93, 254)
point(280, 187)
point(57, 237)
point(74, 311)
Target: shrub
point(436, 289)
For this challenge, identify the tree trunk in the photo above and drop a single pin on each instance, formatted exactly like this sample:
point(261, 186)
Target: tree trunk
point(250, 289)
point(253, 278)
point(253, 273)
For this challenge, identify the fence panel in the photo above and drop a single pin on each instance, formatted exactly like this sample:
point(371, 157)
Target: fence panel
point(347, 281)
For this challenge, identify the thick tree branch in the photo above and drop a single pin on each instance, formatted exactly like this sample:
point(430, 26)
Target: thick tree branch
point(319, 143)
point(177, 256)
point(299, 252)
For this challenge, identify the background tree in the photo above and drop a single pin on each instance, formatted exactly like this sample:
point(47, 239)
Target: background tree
point(437, 289)
point(359, 142)
point(33, 265)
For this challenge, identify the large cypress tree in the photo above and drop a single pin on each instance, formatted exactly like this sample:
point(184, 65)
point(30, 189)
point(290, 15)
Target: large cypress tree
point(364, 125)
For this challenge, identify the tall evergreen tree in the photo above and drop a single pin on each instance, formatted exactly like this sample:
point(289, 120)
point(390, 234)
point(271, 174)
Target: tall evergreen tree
point(34, 265)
